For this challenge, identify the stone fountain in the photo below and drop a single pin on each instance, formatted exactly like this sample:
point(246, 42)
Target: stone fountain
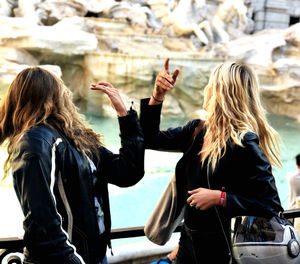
point(126, 42)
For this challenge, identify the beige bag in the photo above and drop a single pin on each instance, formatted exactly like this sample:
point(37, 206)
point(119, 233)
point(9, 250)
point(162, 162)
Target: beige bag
point(163, 220)
point(167, 215)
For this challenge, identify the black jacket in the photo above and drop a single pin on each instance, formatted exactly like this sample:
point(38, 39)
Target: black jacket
point(245, 172)
point(53, 182)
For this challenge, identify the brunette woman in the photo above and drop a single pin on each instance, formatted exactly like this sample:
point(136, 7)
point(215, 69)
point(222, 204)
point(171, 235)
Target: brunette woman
point(61, 169)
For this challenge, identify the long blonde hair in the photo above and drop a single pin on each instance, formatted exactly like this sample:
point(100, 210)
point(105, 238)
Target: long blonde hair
point(35, 97)
point(232, 103)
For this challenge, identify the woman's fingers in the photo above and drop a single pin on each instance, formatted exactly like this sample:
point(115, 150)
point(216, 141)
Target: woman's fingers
point(194, 202)
point(188, 200)
point(105, 84)
point(191, 198)
point(165, 75)
point(194, 191)
point(163, 83)
point(98, 87)
point(194, 199)
point(114, 96)
point(166, 65)
point(164, 79)
point(104, 87)
point(107, 88)
point(175, 74)
point(203, 198)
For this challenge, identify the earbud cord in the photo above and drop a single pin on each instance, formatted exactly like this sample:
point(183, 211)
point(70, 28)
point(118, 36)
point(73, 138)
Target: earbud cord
point(220, 221)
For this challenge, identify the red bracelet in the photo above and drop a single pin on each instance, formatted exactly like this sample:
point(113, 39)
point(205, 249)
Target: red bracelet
point(222, 198)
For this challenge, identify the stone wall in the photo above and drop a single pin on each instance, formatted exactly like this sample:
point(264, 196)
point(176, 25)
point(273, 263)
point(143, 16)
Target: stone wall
point(269, 14)
point(294, 8)
point(135, 75)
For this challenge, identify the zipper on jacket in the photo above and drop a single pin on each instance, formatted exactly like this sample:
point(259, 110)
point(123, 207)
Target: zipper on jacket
point(92, 190)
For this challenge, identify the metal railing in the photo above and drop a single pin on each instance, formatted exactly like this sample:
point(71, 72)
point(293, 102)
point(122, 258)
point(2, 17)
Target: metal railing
point(15, 244)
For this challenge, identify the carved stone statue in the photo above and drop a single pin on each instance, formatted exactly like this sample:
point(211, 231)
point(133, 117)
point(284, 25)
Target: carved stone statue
point(5, 8)
point(49, 12)
point(177, 23)
point(225, 14)
point(135, 13)
point(27, 9)
point(93, 6)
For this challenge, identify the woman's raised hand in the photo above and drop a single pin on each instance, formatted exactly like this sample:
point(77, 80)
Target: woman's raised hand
point(163, 83)
point(113, 95)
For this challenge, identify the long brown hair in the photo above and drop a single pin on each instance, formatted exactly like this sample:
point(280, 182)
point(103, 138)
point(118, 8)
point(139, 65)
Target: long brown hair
point(232, 103)
point(35, 97)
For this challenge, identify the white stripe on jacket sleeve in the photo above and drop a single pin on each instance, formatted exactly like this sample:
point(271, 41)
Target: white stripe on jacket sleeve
point(57, 142)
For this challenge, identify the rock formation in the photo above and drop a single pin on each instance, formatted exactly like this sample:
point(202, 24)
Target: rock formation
point(225, 14)
point(178, 22)
point(5, 8)
point(275, 55)
point(110, 45)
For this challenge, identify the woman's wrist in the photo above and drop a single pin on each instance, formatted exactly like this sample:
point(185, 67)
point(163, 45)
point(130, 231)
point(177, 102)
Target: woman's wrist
point(221, 198)
point(156, 99)
point(170, 257)
point(158, 95)
point(122, 113)
point(217, 195)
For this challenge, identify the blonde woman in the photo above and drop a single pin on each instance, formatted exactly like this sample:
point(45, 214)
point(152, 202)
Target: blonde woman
point(226, 171)
point(61, 169)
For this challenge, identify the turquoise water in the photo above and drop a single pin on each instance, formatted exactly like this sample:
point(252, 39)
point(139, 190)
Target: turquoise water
point(132, 206)
point(289, 130)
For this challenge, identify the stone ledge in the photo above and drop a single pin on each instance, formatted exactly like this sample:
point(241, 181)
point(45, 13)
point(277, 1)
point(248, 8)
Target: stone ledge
point(142, 252)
